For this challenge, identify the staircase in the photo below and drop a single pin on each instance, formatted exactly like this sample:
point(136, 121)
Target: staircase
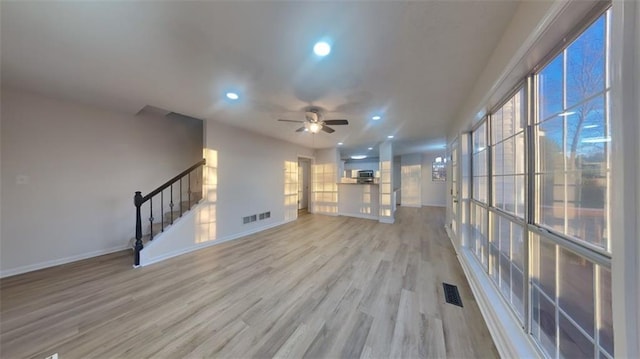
point(172, 200)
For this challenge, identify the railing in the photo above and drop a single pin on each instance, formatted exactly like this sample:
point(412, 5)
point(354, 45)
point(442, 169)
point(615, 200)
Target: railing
point(192, 197)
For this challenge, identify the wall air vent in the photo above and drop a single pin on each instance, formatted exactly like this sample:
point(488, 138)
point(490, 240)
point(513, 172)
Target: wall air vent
point(264, 215)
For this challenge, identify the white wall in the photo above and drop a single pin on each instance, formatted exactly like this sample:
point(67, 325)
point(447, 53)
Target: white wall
point(433, 193)
point(250, 176)
point(82, 166)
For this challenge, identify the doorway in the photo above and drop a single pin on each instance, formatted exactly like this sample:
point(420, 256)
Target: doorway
point(304, 179)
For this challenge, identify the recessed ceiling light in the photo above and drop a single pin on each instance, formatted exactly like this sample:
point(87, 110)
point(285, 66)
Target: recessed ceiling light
point(322, 48)
point(590, 126)
point(232, 96)
point(358, 157)
point(390, 136)
point(567, 113)
point(340, 143)
point(370, 148)
point(376, 118)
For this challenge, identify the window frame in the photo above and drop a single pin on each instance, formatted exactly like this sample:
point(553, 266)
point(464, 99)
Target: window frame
point(600, 258)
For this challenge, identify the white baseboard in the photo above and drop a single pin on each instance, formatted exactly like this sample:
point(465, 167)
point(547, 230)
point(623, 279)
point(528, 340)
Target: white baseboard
point(359, 215)
point(387, 220)
point(57, 262)
point(410, 205)
point(433, 204)
point(509, 337)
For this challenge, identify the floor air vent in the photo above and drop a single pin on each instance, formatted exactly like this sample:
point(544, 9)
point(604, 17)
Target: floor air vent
point(451, 294)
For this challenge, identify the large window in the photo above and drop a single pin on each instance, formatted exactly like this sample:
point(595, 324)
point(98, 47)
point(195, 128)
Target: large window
point(506, 245)
point(573, 139)
point(571, 292)
point(539, 216)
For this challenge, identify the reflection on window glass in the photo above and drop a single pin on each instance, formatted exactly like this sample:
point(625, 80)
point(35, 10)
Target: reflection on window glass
point(585, 64)
point(575, 304)
point(506, 251)
point(544, 265)
point(480, 138)
point(479, 233)
point(507, 143)
point(550, 81)
point(573, 140)
point(573, 343)
point(543, 326)
point(576, 296)
point(480, 164)
point(606, 317)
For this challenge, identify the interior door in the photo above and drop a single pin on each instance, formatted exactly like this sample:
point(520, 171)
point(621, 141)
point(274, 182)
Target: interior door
point(303, 183)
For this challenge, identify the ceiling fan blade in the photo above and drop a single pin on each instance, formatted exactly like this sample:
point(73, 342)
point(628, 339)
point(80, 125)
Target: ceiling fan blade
point(301, 129)
point(290, 121)
point(336, 122)
point(328, 129)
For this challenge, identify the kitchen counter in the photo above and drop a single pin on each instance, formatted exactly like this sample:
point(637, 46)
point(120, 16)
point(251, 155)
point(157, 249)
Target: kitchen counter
point(359, 200)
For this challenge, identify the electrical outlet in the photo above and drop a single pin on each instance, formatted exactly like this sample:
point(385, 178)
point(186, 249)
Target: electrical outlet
point(22, 179)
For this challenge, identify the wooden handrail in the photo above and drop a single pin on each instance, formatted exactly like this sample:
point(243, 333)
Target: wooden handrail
point(172, 181)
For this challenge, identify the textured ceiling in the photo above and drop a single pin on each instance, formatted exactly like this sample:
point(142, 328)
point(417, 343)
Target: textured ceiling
point(414, 63)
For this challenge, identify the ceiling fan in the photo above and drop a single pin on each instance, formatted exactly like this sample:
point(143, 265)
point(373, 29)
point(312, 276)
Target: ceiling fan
point(313, 122)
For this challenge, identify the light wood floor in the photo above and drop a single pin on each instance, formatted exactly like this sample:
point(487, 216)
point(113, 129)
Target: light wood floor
point(317, 287)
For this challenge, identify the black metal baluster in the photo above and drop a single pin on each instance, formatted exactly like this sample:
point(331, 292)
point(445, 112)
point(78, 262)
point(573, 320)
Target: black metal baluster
point(151, 218)
point(162, 211)
point(171, 203)
point(137, 200)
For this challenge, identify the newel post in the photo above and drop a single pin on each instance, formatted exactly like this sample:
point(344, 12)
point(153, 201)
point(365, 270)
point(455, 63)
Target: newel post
point(137, 200)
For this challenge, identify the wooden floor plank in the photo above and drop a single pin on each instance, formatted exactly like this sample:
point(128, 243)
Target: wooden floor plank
point(320, 286)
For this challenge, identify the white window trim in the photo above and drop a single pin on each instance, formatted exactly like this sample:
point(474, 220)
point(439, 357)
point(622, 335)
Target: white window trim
point(625, 234)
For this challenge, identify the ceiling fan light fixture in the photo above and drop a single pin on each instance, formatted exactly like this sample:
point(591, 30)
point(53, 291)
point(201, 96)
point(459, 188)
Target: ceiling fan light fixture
point(314, 127)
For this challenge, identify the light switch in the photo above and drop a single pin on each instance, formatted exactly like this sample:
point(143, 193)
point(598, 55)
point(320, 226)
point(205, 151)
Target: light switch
point(22, 179)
